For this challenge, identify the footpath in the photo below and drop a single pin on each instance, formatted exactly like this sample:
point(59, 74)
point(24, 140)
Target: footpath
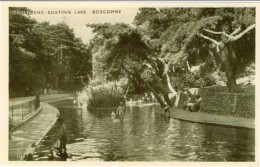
point(26, 137)
point(202, 117)
point(43, 98)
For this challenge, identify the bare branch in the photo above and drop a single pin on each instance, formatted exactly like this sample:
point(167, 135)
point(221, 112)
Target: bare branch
point(170, 85)
point(218, 33)
point(236, 31)
point(148, 65)
point(242, 33)
point(209, 39)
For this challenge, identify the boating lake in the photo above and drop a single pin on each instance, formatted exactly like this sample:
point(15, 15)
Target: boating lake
point(146, 135)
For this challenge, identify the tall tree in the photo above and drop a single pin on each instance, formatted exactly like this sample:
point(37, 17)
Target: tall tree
point(124, 49)
point(41, 53)
point(190, 32)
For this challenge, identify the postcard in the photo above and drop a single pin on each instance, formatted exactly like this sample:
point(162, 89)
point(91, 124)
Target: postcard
point(139, 83)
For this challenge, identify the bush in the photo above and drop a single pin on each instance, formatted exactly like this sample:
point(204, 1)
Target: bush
point(193, 80)
point(105, 100)
point(103, 95)
point(95, 82)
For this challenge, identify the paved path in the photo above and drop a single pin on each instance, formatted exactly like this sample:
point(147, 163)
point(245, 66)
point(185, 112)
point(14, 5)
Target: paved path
point(43, 98)
point(24, 136)
point(212, 119)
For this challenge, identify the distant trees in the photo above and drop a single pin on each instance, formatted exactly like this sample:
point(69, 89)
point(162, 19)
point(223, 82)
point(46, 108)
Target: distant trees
point(41, 54)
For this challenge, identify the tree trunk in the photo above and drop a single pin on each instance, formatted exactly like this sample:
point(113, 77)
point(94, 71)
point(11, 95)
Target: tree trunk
point(164, 89)
point(37, 98)
point(231, 82)
point(227, 55)
point(137, 87)
point(170, 85)
point(138, 78)
point(167, 99)
point(168, 80)
point(57, 82)
point(229, 61)
point(157, 96)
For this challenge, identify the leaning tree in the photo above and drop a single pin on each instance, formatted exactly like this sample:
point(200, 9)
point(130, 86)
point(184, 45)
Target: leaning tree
point(123, 50)
point(225, 51)
point(225, 33)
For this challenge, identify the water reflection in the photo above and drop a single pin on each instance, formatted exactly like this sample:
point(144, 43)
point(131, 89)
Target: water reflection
point(146, 135)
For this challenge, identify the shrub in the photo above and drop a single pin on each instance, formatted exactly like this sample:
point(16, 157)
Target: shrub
point(105, 100)
point(193, 80)
point(108, 94)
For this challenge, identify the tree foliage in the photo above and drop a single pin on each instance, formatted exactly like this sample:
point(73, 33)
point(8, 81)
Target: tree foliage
point(180, 39)
point(159, 49)
point(41, 54)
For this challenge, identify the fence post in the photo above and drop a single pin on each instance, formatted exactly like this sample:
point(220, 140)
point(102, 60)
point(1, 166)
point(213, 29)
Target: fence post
point(13, 113)
point(31, 106)
point(22, 111)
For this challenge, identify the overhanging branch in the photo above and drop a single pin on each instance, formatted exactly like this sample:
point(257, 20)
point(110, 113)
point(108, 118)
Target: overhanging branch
point(236, 31)
point(242, 33)
point(209, 39)
point(218, 33)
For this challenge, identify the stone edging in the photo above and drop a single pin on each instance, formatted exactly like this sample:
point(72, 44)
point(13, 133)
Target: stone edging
point(214, 119)
point(36, 143)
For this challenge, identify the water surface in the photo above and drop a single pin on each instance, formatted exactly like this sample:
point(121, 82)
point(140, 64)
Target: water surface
point(146, 135)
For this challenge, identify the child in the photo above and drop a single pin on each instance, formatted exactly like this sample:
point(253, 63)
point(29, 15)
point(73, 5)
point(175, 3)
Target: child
point(196, 106)
point(120, 111)
point(63, 136)
point(53, 156)
point(166, 110)
point(63, 155)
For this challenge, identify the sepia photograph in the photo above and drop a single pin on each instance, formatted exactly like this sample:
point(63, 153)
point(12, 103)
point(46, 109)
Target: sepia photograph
point(146, 84)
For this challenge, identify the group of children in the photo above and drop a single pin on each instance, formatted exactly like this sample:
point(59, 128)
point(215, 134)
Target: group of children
point(58, 156)
point(193, 103)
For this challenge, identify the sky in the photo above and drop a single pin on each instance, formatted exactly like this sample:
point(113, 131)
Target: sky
point(78, 21)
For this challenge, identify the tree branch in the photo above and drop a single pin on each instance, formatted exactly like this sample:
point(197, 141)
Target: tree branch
point(218, 33)
point(166, 73)
point(122, 65)
point(241, 34)
point(170, 85)
point(236, 31)
point(152, 62)
point(209, 39)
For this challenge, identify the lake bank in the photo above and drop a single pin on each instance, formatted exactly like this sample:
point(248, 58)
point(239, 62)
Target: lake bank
point(207, 118)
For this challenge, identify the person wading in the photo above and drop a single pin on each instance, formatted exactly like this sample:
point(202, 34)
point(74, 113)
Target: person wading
point(120, 111)
point(62, 135)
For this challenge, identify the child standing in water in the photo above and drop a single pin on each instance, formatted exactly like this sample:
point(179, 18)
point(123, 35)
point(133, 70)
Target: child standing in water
point(120, 111)
point(62, 135)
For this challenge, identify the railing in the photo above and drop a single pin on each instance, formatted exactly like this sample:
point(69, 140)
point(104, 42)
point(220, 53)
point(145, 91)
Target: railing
point(21, 111)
